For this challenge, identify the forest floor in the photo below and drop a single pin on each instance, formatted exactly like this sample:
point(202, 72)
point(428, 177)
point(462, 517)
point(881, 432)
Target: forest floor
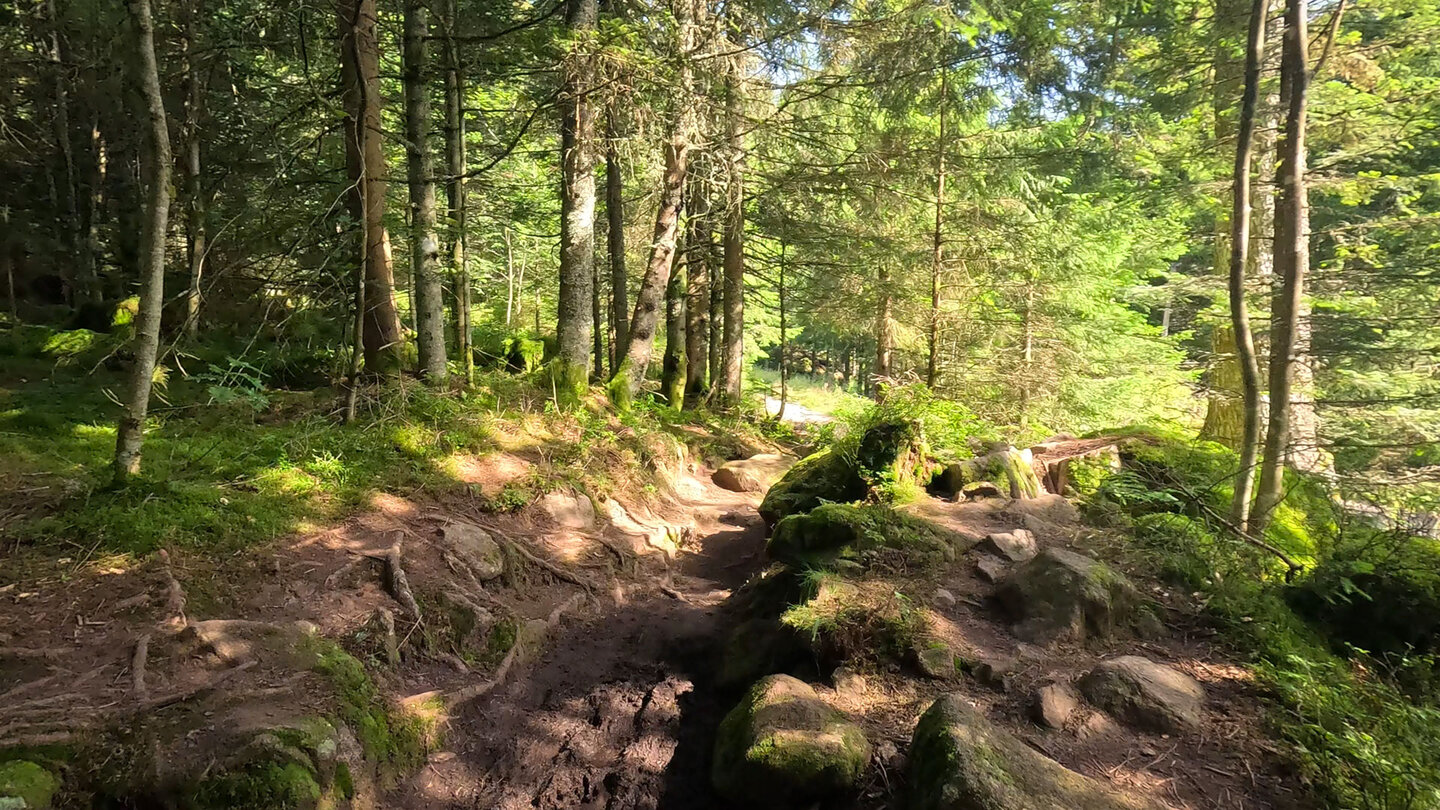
point(616, 607)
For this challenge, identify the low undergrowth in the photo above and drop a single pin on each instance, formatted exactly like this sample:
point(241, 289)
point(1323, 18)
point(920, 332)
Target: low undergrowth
point(1346, 650)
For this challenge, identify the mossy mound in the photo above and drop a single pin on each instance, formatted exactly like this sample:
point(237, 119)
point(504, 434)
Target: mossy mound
point(844, 620)
point(25, 785)
point(523, 355)
point(834, 532)
point(782, 746)
point(1010, 470)
point(822, 477)
point(890, 463)
point(959, 761)
point(756, 648)
point(1060, 595)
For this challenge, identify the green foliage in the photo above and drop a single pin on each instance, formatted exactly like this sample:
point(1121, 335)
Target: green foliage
point(834, 532)
point(32, 785)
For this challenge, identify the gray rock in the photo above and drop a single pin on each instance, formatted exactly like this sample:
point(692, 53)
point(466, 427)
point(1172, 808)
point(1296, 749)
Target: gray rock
point(996, 673)
point(936, 662)
point(783, 746)
point(848, 682)
point(755, 474)
point(981, 490)
point(959, 761)
point(1145, 694)
point(1017, 546)
point(476, 548)
point(569, 510)
point(1047, 507)
point(1053, 704)
point(990, 569)
point(1060, 595)
point(944, 598)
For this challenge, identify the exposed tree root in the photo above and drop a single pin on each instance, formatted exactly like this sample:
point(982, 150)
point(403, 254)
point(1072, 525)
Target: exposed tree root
point(396, 583)
point(474, 691)
point(174, 593)
point(554, 570)
point(137, 667)
point(195, 691)
point(24, 653)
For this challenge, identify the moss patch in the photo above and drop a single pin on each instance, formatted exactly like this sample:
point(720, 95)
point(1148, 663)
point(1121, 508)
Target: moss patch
point(834, 532)
point(32, 785)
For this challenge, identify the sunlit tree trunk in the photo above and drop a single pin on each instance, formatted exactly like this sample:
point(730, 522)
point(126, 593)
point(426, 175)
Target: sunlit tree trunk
point(420, 168)
point(937, 258)
point(1240, 218)
point(697, 291)
point(455, 193)
point(784, 344)
point(884, 329)
point(571, 368)
point(365, 160)
point(732, 370)
point(615, 242)
point(631, 373)
point(131, 431)
point(1292, 260)
point(1225, 410)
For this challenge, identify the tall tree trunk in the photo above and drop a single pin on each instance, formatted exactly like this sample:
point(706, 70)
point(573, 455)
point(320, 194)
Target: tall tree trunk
point(85, 283)
point(365, 161)
point(631, 373)
point(884, 330)
point(615, 242)
point(717, 317)
point(195, 203)
point(784, 344)
point(455, 192)
point(697, 291)
point(672, 375)
point(1240, 217)
point(1292, 261)
point(1225, 411)
point(732, 370)
point(937, 259)
point(131, 431)
point(571, 367)
point(424, 239)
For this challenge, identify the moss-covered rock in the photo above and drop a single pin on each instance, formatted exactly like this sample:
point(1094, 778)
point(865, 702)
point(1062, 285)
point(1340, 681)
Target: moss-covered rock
point(756, 648)
point(1060, 595)
point(822, 477)
point(1009, 470)
point(524, 355)
point(959, 761)
point(893, 461)
point(782, 745)
point(834, 532)
point(25, 785)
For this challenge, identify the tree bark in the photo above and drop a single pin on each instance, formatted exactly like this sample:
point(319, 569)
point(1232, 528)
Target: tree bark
point(131, 430)
point(195, 202)
point(571, 368)
point(455, 193)
point(631, 373)
point(732, 370)
point(615, 242)
point(420, 166)
point(673, 368)
point(784, 345)
point(1240, 218)
point(697, 292)
point(1292, 262)
point(937, 259)
point(86, 285)
point(1224, 411)
point(884, 330)
point(365, 161)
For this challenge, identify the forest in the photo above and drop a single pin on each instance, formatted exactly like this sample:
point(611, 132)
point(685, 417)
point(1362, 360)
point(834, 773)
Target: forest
point(669, 404)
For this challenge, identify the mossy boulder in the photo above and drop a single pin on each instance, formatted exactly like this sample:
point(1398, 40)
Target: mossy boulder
point(756, 648)
point(1063, 596)
point(822, 477)
point(1145, 694)
point(833, 532)
point(1009, 470)
point(782, 746)
point(25, 785)
point(893, 460)
point(959, 761)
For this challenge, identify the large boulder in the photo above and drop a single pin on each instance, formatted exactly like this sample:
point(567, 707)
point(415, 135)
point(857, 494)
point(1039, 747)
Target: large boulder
point(959, 761)
point(893, 458)
point(816, 479)
point(570, 510)
point(835, 532)
point(474, 547)
point(1060, 595)
point(783, 746)
point(1145, 694)
point(755, 474)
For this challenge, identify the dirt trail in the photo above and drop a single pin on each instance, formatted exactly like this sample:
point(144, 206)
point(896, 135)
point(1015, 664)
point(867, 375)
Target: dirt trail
point(617, 712)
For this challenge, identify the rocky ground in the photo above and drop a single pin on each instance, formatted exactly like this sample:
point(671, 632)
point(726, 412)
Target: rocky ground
point(647, 652)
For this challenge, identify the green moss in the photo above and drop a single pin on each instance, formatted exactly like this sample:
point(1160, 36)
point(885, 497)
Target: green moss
point(619, 390)
point(834, 532)
point(28, 782)
point(843, 622)
point(569, 382)
point(392, 741)
point(523, 355)
point(818, 478)
point(264, 784)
